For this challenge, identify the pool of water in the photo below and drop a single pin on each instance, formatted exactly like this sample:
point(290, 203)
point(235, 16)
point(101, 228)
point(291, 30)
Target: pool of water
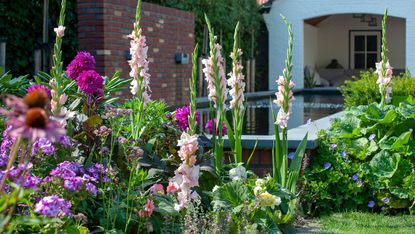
point(258, 119)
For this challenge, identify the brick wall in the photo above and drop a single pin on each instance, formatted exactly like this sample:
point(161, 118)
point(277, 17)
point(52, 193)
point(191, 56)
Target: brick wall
point(102, 30)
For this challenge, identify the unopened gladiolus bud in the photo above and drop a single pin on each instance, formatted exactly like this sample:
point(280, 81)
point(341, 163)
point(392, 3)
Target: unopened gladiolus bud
point(63, 98)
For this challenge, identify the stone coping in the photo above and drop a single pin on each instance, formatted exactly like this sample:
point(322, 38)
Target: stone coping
point(295, 135)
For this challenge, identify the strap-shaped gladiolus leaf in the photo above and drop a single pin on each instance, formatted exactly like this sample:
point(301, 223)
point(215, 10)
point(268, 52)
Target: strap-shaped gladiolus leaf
point(230, 134)
point(402, 140)
point(384, 164)
point(248, 162)
point(276, 150)
point(296, 164)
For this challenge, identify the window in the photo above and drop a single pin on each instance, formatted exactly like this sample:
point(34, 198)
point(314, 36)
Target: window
point(364, 49)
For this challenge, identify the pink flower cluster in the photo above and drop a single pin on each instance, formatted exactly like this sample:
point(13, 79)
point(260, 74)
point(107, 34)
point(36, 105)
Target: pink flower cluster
point(187, 175)
point(210, 125)
point(236, 82)
point(181, 116)
point(82, 69)
point(384, 81)
point(208, 70)
point(139, 64)
point(284, 100)
point(147, 209)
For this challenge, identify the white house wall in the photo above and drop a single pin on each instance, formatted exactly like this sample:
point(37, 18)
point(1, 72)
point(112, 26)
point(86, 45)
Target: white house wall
point(298, 10)
point(310, 45)
point(333, 39)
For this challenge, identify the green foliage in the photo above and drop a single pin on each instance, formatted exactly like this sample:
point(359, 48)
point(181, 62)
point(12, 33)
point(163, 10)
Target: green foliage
point(224, 15)
point(22, 26)
point(364, 90)
point(370, 150)
point(13, 86)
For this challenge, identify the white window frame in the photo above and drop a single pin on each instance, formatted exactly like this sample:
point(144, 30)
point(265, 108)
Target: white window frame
point(352, 51)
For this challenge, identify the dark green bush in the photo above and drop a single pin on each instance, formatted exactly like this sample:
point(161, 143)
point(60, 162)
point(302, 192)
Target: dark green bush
point(367, 155)
point(364, 90)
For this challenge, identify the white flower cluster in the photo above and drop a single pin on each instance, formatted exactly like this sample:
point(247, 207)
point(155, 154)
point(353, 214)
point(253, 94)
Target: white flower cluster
point(385, 81)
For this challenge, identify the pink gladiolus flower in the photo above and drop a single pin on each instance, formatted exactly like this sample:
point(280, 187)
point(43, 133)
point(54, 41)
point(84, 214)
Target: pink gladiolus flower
point(139, 64)
point(157, 188)
point(60, 31)
point(285, 97)
point(385, 81)
point(188, 146)
point(149, 207)
point(171, 188)
point(237, 84)
point(210, 76)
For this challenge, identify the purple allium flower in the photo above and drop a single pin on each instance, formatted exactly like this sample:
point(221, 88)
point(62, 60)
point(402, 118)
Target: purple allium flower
point(291, 155)
point(64, 140)
point(45, 145)
point(371, 204)
point(90, 82)
point(209, 127)
point(83, 61)
point(327, 165)
point(332, 146)
point(343, 154)
point(386, 200)
point(371, 137)
point(53, 206)
point(355, 177)
point(36, 87)
point(181, 117)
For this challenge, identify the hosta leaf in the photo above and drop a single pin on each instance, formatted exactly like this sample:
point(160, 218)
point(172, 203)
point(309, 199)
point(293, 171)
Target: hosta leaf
point(384, 165)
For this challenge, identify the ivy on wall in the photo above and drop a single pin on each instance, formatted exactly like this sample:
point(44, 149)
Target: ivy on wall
point(22, 24)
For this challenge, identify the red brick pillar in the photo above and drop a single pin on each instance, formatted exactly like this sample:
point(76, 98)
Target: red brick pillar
point(103, 29)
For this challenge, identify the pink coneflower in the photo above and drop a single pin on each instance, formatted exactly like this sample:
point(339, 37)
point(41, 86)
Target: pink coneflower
point(36, 125)
point(36, 98)
point(38, 87)
point(90, 82)
point(83, 61)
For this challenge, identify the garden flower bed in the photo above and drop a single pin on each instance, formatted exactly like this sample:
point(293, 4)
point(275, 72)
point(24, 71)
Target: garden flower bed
point(76, 159)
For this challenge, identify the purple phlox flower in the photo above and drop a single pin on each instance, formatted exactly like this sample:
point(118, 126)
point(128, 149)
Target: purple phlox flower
point(53, 206)
point(65, 140)
point(327, 165)
point(83, 61)
point(67, 169)
point(386, 200)
point(6, 143)
point(371, 204)
point(73, 183)
point(212, 125)
point(181, 117)
point(91, 188)
point(291, 155)
point(355, 177)
point(31, 182)
point(90, 82)
point(371, 137)
point(343, 154)
point(44, 145)
point(332, 146)
point(99, 173)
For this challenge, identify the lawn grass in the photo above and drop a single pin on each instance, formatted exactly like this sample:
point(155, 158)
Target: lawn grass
point(367, 223)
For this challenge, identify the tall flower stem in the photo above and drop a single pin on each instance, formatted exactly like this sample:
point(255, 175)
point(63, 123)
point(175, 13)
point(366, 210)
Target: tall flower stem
point(384, 57)
point(57, 70)
point(237, 104)
point(193, 92)
point(219, 98)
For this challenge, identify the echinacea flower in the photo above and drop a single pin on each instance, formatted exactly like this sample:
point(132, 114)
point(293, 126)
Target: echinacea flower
point(210, 125)
point(36, 98)
point(90, 81)
point(36, 87)
point(83, 61)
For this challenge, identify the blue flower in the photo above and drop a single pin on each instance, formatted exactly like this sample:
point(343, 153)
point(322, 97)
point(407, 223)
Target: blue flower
point(371, 204)
point(332, 146)
point(386, 200)
point(371, 137)
point(343, 154)
point(327, 165)
point(291, 155)
point(355, 177)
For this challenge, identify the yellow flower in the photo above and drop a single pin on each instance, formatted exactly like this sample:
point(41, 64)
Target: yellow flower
point(267, 199)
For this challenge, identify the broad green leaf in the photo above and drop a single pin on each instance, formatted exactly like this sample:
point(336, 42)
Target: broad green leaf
point(360, 143)
point(384, 165)
point(407, 110)
point(412, 209)
point(402, 140)
point(399, 192)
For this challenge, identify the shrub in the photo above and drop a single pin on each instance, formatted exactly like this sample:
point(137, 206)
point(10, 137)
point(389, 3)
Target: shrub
point(365, 161)
point(364, 90)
